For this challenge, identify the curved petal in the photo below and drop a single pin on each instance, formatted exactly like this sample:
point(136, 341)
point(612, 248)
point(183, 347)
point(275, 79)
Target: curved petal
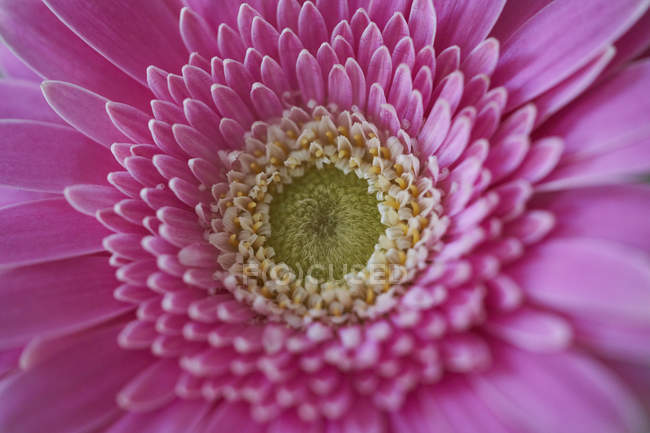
point(616, 213)
point(47, 45)
point(45, 230)
point(529, 391)
point(465, 23)
point(179, 416)
point(73, 390)
point(551, 45)
point(587, 276)
point(56, 297)
point(24, 100)
point(14, 68)
point(48, 157)
point(609, 116)
point(132, 35)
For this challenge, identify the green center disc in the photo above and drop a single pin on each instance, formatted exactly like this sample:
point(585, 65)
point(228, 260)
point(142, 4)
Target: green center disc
point(325, 224)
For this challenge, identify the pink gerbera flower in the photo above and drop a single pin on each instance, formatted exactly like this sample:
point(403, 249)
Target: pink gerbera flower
point(384, 216)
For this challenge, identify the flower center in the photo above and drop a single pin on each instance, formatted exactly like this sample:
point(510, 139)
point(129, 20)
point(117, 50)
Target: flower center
point(325, 224)
point(324, 217)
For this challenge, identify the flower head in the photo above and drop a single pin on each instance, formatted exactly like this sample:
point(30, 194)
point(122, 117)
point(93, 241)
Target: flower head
point(385, 216)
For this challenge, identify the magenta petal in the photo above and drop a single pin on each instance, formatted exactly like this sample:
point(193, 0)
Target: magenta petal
point(532, 330)
point(47, 45)
point(310, 77)
point(94, 369)
point(513, 15)
point(46, 230)
point(465, 23)
point(131, 35)
point(14, 68)
point(23, 100)
point(84, 110)
point(180, 416)
point(57, 297)
point(610, 115)
point(422, 23)
point(197, 35)
point(587, 276)
point(615, 213)
point(152, 388)
point(528, 391)
point(527, 67)
point(633, 43)
point(48, 157)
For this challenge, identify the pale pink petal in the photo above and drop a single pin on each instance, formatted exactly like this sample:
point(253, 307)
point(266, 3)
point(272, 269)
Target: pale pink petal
point(24, 100)
point(180, 416)
point(14, 68)
point(532, 330)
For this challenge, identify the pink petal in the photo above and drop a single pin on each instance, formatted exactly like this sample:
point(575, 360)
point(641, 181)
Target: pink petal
point(48, 157)
point(608, 116)
point(587, 276)
point(223, 12)
point(23, 100)
point(197, 35)
point(632, 44)
point(435, 128)
point(533, 330)
point(152, 388)
point(181, 415)
point(422, 23)
point(57, 297)
point(528, 391)
point(131, 35)
point(310, 77)
point(311, 27)
point(94, 369)
point(603, 22)
point(465, 23)
point(556, 98)
point(48, 46)
point(513, 15)
point(614, 213)
point(14, 68)
point(84, 110)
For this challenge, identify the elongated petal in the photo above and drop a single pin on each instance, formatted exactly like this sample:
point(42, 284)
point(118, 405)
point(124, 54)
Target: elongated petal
point(132, 35)
point(48, 157)
point(57, 229)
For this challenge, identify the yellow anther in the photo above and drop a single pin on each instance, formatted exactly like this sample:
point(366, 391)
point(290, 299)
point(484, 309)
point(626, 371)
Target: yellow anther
point(229, 204)
point(223, 195)
point(405, 228)
point(398, 169)
point(233, 240)
point(240, 194)
point(256, 168)
point(401, 182)
point(330, 136)
point(343, 153)
point(251, 205)
point(424, 222)
point(304, 143)
point(373, 151)
point(274, 160)
point(236, 221)
point(390, 201)
point(402, 257)
point(266, 292)
point(385, 152)
point(358, 140)
point(371, 135)
point(375, 170)
point(342, 130)
point(414, 189)
point(258, 153)
point(319, 153)
point(291, 134)
point(370, 296)
point(257, 226)
point(416, 236)
point(416, 207)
